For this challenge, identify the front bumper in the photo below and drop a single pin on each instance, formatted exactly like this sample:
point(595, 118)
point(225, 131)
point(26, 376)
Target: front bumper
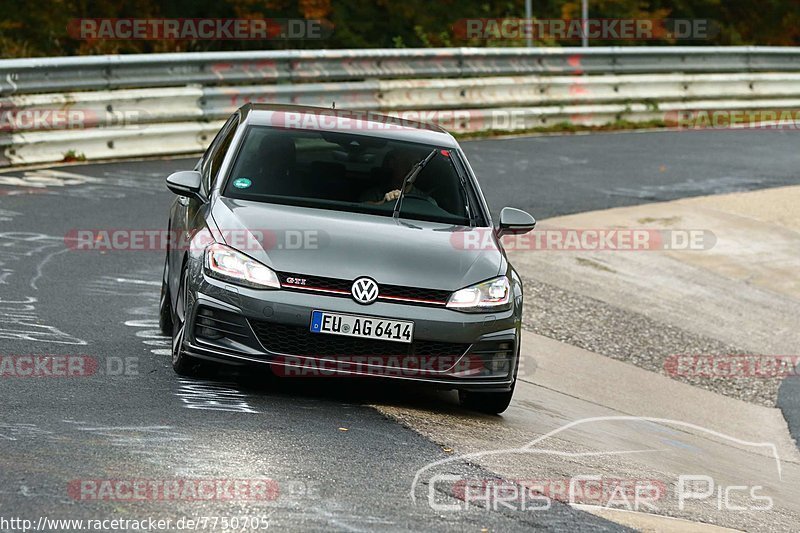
point(238, 325)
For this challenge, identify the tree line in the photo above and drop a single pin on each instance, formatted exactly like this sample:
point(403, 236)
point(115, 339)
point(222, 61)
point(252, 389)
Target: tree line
point(47, 27)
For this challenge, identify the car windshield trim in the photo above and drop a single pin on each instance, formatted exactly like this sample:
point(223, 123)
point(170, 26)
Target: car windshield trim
point(364, 207)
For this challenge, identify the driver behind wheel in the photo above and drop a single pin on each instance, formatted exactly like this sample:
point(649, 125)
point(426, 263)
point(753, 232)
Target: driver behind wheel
point(399, 162)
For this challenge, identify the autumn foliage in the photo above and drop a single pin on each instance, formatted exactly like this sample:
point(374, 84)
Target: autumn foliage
point(29, 29)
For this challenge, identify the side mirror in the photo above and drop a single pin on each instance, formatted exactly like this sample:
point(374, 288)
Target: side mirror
point(515, 222)
point(186, 183)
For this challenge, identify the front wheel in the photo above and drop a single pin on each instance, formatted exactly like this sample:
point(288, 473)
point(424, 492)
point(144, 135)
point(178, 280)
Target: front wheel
point(182, 363)
point(492, 403)
point(165, 303)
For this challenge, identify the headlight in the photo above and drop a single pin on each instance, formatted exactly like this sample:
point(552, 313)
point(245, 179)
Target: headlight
point(492, 295)
point(225, 263)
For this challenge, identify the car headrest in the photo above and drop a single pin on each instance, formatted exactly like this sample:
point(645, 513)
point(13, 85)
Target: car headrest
point(328, 170)
point(278, 153)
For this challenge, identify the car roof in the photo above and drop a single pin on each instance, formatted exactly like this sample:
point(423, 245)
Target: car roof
point(345, 121)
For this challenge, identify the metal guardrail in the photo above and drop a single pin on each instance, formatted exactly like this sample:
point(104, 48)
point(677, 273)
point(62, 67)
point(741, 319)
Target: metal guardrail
point(171, 103)
point(229, 68)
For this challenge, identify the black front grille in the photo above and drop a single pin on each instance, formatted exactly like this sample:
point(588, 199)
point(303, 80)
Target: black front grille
point(432, 295)
point(215, 324)
point(498, 357)
point(298, 340)
point(342, 287)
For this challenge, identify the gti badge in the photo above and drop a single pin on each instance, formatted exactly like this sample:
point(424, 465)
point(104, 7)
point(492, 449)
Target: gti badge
point(364, 290)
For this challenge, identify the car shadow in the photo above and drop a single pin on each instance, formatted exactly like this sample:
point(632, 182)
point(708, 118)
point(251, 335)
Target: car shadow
point(368, 391)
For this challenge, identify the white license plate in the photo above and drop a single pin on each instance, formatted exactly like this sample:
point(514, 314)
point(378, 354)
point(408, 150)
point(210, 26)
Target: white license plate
point(362, 326)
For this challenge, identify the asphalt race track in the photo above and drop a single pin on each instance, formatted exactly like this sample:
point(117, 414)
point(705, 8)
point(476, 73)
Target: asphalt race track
point(337, 464)
point(552, 176)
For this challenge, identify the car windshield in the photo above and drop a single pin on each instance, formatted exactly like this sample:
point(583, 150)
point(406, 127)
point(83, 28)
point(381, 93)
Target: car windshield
point(347, 172)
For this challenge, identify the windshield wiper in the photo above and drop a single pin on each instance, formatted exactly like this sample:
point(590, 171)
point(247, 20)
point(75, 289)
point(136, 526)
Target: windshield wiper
point(409, 180)
point(462, 178)
point(461, 173)
point(464, 190)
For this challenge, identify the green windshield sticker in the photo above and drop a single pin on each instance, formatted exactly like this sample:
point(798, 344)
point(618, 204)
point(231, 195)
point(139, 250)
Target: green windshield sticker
point(242, 183)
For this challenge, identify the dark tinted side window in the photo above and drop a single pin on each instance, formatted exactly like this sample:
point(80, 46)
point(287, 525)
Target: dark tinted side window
point(203, 163)
point(216, 152)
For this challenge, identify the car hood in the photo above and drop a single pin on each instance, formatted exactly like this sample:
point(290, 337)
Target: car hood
point(336, 244)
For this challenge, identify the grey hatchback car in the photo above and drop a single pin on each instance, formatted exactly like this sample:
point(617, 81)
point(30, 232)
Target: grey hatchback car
point(331, 243)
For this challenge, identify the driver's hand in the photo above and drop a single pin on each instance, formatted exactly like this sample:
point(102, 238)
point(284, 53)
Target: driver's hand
point(391, 195)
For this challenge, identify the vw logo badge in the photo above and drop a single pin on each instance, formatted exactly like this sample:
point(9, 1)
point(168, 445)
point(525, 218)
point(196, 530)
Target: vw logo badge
point(364, 290)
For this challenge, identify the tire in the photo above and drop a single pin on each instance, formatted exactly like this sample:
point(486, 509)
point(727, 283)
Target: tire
point(165, 303)
point(182, 363)
point(492, 403)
